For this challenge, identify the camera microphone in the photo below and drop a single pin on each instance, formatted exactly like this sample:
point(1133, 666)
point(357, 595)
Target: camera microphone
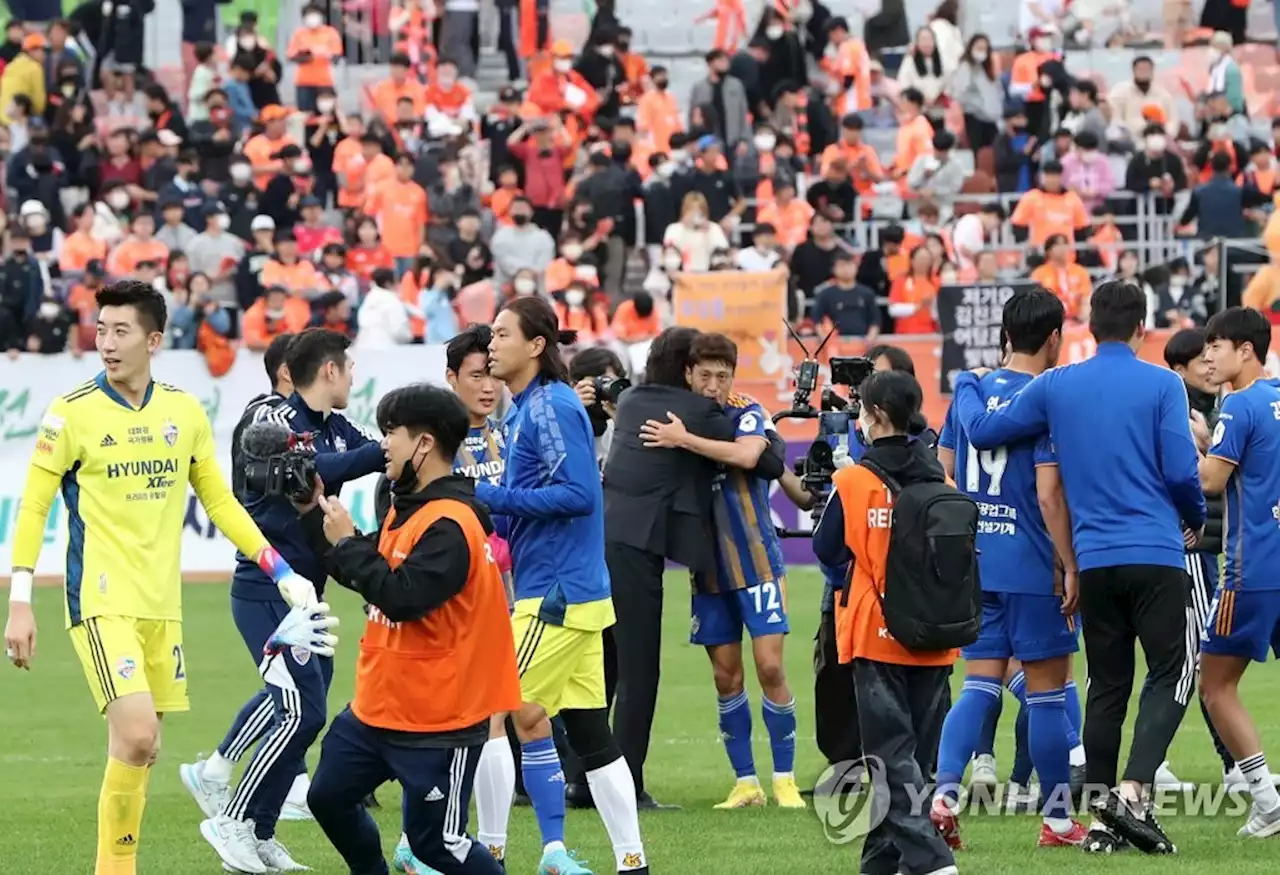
point(264, 439)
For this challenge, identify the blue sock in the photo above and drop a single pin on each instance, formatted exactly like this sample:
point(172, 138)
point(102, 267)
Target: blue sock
point(1022, 765)
point(544, 782)
point(780, 720)
point(987, 741)
point(1049, 751)
point(962, 730)
point(1074, 718)
point(735, 731)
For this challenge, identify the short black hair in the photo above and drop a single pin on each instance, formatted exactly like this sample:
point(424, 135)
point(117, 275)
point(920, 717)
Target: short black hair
point(668, 356)
point(894, 393)
point(143, 297)
point(1030, 318)
point(1241, 325)
point(1117, 310)
point(471, 340)
point(275, 356)
point(594, 362)
point(311, 351)
point(899, 358)
point(1184, 347)
point(1220, 162)
point(643, 302)
point(424, 408)
point(713, 348)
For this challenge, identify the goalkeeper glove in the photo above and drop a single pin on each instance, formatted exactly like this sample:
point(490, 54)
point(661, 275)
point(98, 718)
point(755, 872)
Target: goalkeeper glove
point(841, 459)
point(296, 590)
point(306, 628)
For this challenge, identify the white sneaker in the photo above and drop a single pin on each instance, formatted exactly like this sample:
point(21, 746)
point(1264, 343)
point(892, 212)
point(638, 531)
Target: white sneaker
point(1167, 780)
point(1261, 824)
point(234, 842)
point(275, 857)
point(211, 796)
point(295, 811)
point(984, 771)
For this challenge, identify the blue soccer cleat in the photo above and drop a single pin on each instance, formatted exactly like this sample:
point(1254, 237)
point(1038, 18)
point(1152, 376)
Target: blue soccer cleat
point(562, 862)
point(406, 863)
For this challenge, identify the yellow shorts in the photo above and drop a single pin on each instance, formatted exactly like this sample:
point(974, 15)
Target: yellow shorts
point(123, 655)
point(559, 668)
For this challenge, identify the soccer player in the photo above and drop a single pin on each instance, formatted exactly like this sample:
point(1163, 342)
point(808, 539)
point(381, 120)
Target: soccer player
point(552, 514)
point(123, 448)
point(748, 585)
point(1244, 622)
point(1026, 614)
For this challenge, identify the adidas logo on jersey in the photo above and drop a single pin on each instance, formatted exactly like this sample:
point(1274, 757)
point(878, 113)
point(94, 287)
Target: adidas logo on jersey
point(435, 795)
point(108, 441)
point(126, 840)
point(775, 618)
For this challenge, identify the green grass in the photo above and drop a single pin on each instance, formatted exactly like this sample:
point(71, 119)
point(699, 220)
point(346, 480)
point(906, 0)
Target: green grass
point(52, 759)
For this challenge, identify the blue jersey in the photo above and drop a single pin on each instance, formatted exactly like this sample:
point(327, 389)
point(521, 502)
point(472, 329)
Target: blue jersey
point(481, 455)
point(1015, 553)
point(1248, 436)
point(748, 552)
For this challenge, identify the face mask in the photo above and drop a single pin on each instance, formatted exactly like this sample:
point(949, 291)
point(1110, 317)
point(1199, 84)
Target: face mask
point(660, 84)
point(223, 221)
point(447, 82)
point(1217, 132)
point(774, 32)
point(949, 278)
point(69, 90)
point(765, 142)
point(1042, 44)
point(275, 314)
point(313, 20)
point(525, 286)
point(571, 251)
point(37, 224)
point(606, 51)
point(1143, 85)
point(865, 422)
point(1088, 154)
point(1177, 282)
point(979, 56)
point(118, 200)
point(586, 274)
point(521, 219)
point(1156, 143)
point(672, 263)
point(679, 156)
point(562, 66)
point(697, 218)
point(667, 169)
point(248, 43)
point(301, 167)
point(49, 309)
point(574, 297)
point(241, 173)
point(325, 105)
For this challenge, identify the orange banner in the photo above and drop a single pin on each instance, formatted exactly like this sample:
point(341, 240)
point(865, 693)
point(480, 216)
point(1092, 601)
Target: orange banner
point(750, 308)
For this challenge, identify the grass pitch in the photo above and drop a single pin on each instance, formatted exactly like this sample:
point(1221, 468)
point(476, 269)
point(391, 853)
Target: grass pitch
point(51, 765)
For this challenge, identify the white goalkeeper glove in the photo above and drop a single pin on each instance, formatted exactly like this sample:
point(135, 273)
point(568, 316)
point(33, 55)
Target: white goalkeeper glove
point(841, 459)
point(305, 628)
point(296, 590)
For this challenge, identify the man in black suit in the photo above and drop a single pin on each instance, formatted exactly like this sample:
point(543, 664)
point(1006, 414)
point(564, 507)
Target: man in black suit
point(657, 506)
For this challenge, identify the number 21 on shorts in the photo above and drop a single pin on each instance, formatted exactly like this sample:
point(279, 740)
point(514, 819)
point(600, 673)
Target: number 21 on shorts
point(765, 596)
point(179, 668)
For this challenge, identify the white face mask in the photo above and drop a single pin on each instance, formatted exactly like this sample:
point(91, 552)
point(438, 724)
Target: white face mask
point(223, 221)
point(765, 142)
point(680, 156)
point(697, 219)
point(525, 285)
point(158, 284)
point(248, 43)
point(446, 82)
point(1157, 143)
point(37, 225)
point(241, 172)
point(1217, 132)
point(979, 56)
point(562, 65)
point(1043, 44)
point(667, 169)
point(864, 423)
point(1177, 282)
point(672, 263)
point(49, 309)
point(774, 32)
point(118, 200)
point(325, 104)
point(607, 51)
point(571, 251)
point(574, 297)
point(313, 19)
point(275, 314)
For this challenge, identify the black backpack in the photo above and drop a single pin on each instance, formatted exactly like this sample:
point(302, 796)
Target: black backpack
point(932, 596)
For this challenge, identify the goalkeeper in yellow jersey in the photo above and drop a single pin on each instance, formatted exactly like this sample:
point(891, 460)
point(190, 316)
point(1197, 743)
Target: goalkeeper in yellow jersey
point(123, 448)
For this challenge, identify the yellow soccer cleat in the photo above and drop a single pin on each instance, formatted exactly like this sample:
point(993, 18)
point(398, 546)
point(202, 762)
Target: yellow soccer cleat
point(787, 794)
point(746, 793)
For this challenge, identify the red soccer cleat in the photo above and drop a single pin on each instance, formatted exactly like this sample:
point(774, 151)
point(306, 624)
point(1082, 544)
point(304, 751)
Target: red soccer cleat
point(1074, 837)
point(947, 823)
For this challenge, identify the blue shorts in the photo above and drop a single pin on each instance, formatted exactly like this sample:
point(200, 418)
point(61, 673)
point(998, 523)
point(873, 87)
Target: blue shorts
point(1026, 627)
point(1243, 623)
point(718, 618)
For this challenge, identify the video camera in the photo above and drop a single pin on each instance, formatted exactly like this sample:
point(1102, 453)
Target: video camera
point(278, 463)
point(837, 418)
point(610, 389)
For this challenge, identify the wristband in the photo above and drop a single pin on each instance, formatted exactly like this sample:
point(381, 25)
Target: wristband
point(20, 583)
point(270, 561)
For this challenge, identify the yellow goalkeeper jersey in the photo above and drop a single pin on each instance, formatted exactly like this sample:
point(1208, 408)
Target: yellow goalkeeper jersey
point(124, 476)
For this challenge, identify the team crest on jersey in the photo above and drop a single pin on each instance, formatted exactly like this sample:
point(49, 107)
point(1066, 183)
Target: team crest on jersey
point(301, 655)
point(126, 667)
point(169, 432)
point(340, 444)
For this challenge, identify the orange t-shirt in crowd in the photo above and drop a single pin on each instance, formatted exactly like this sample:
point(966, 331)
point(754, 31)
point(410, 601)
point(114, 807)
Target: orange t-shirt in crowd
point(731, 25)
point(1263, 291)
point(582, 321)
point(630, 327)
point(1071, 284)
point(500, 204)
point(129, 254)
point(1264, 180)
point(374, 175)
point(1108, 241)
point(84, 302)
point(348, 165)
point(852, 61)
point(401, 211)
point(1044, 215)
point(860, 628)
point(1026, 72)
point(914, 139)
point(386, 94)
point(791, 222)
point(258, 330)
point(863, 162)
point(448, 102)
point(258, 150)
point(477, 303)
point(300, 277)
point(78, 249)
point(913, 290)
point(363, 261)
point(324, 43)
point(558, 275)
point(658, 115)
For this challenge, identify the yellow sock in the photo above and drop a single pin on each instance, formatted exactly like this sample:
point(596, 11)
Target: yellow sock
point(120, 805)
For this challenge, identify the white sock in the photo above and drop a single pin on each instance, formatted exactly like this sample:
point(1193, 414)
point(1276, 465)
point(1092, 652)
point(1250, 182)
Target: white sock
point(495, 787)
point(749, 779)
point(780, 775)
point(217, 768)
point(1258, 775)
point(1077, 755)
point(614, 792)
point(552, 847)
point(298, 791)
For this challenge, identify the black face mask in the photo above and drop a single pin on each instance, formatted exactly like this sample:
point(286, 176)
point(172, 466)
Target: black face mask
point(407, 482)
point(1142, 85)
point(660, 84)
point(521, 220)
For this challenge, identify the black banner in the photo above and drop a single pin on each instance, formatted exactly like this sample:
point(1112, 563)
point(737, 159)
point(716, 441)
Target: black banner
point(970, 317)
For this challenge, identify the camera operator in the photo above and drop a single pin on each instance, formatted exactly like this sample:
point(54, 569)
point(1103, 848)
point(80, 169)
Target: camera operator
point(322, 375)
point(657, 503)
point(281, 388)
point(598, 368)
